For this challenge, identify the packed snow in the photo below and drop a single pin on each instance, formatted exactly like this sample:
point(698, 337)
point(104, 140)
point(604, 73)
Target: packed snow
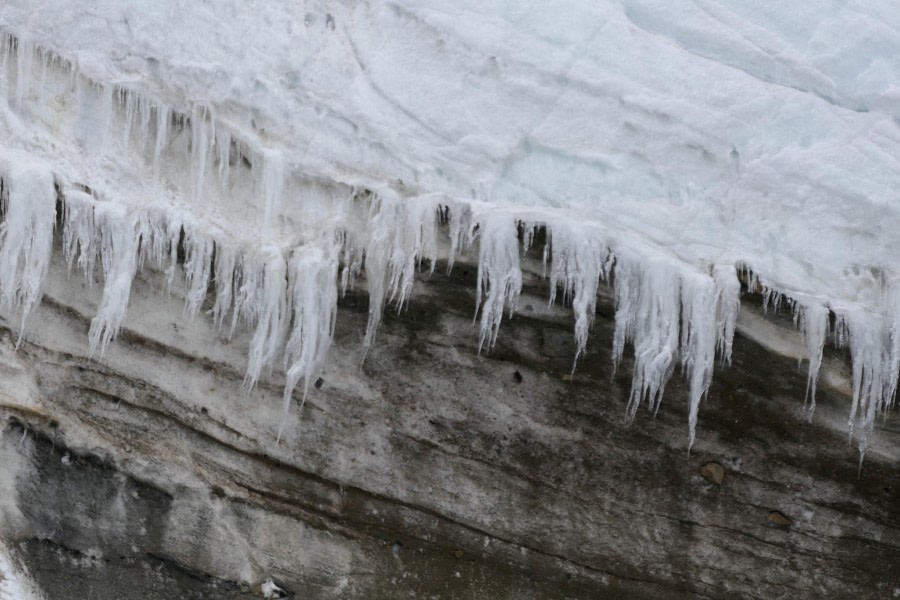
point(290, 148)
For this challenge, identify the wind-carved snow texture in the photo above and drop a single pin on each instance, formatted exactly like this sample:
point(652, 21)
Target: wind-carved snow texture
point(197, 178)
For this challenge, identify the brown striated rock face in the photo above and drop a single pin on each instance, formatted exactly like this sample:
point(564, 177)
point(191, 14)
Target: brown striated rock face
point(425, 471)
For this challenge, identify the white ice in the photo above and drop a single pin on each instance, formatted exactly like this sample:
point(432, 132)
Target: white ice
point(666, 146)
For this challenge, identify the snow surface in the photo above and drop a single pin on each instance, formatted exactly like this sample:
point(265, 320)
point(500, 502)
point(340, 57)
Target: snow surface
point(293, 145)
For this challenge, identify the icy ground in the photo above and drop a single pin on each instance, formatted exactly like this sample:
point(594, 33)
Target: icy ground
point(669, 146)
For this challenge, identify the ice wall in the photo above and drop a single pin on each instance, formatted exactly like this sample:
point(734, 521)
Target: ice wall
point(288, 148)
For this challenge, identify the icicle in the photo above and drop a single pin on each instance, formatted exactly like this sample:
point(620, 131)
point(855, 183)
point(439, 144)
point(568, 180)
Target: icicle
point(45, 58)
point(313, 293)
point(106, 93)
point(814, 326)
point(401, 234)
point(247, 296)
point(198, 251)
point(460, 224)
point(6, 48)
point(118, 253)
point(25, 56)
point(772, 299)
point(350, 240)
point(200, 146)
point(529, 230)
point(892, 312)
point(413, 240)
point(144, 110)
point(869, 343)
point(653, 305)
point(273, 316)
point(26, 236)
point(159, 235)
point(131, 106)
point(579, 262)
point(647, 313)
point(223, 152)
point(226, 261)
point(700, 333)
point(352, 252)
point(240, 153)
point(499, 276)
point(79, 233)
point(383, 211)
point(273, 189)
point(163, 121)
point(728, 304)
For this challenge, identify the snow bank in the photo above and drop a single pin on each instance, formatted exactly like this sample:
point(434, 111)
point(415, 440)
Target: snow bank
point(287, 146)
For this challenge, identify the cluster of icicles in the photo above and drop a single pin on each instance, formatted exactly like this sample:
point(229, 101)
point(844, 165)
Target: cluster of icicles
point(288, 295)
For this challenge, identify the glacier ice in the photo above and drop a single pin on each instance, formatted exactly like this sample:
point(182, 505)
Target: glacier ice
point(665, 148)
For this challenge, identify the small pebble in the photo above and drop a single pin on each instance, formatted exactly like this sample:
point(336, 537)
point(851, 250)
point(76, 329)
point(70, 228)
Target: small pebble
point(714, 472)
point(779, 518)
